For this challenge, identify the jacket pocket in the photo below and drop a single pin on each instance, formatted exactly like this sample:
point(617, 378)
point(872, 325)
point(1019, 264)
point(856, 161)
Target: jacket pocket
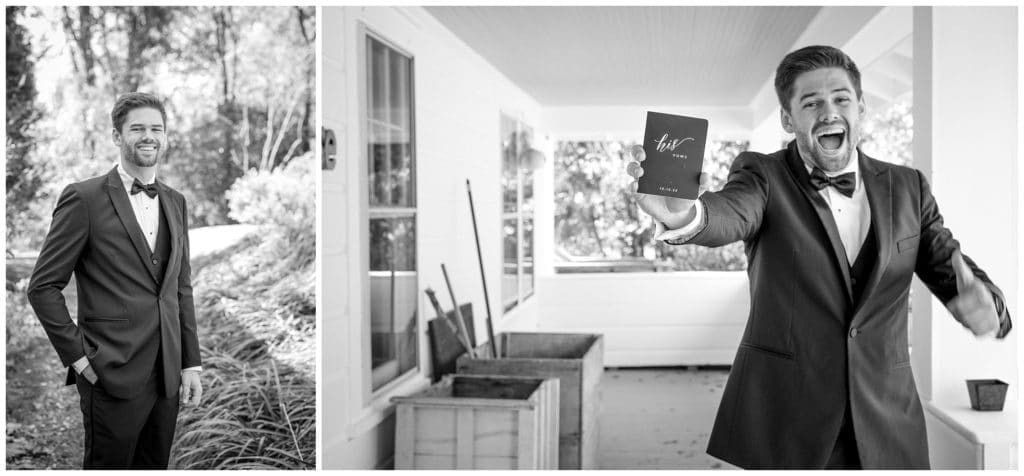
point(105, 319)
point(768, 350)
point(907, 244)
point(900, 365)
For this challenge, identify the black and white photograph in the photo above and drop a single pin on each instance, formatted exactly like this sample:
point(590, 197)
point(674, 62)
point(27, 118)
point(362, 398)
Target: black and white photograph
point(828, 281)
point(161, 237)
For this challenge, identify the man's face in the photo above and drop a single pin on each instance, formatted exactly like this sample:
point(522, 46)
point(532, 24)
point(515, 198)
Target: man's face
point(142, 138)
point(825, 116)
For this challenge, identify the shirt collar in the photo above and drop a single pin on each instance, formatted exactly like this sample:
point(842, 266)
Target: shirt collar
point(126, 179)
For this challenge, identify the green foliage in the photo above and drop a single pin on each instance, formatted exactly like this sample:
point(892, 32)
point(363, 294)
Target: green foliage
point(23, 329)
point(258, 329)
point(889, 134)
point(596, 216)
point(25, 175)
point(284, 197)
point(238, 85)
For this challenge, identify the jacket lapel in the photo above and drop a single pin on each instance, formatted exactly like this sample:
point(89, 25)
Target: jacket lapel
point(123, 208)
point(878, 187)
point(803, 180)
point(171, 217)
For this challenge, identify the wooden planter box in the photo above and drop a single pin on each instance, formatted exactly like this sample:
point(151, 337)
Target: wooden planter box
point(479, 422)
point(577, 360)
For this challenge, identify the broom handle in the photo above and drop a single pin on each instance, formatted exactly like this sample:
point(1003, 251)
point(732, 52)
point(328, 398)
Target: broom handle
point(440, 314)
point(483, 277)
point(458, 314)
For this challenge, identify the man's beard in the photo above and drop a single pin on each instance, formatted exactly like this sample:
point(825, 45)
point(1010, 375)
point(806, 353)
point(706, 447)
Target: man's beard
point(130, 153)
point(808, 148)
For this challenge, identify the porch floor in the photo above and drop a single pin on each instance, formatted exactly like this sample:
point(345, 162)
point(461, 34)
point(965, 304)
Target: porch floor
point(659, 418)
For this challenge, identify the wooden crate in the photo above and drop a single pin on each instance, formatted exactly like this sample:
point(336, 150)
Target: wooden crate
point(577, 360)
point(479, 422)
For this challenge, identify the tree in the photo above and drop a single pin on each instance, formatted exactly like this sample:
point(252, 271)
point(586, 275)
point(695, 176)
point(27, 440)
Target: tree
point(596, 216)
point(24, 175)
point(889, 134)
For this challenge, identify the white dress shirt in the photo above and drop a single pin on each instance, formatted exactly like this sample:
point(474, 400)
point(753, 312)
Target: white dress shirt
point(147, 210)
point(147, 214)
point(851, 214)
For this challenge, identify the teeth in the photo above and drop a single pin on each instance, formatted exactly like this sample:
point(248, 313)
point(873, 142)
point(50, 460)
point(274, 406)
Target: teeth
point(830, 130)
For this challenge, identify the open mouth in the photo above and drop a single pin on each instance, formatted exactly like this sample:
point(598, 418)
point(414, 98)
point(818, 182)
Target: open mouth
point(831, 139)
point(146, 148)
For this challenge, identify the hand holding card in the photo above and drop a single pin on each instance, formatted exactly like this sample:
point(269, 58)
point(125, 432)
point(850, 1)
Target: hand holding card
point(667, 208)
point(674, 146)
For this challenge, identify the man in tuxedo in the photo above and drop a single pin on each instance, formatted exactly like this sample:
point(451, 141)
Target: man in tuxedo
point(133, 351)
point(822, 377)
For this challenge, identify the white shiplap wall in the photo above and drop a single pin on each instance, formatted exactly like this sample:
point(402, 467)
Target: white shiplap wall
point(458, 101)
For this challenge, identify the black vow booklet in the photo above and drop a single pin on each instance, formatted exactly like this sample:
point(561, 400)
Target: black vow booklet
point(675, 152)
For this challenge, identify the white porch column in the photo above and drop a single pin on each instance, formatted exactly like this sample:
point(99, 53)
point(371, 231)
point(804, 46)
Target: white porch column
point(965, 136)
point(767, 137)
point(966, 142)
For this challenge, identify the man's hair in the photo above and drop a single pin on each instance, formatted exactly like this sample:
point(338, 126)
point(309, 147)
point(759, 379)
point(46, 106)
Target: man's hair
point(136, 100)
point(807, 59)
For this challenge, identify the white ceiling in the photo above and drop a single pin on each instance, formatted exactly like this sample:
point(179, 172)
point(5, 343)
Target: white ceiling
point(609, 56)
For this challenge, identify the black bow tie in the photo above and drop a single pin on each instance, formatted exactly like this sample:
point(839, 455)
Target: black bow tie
point(149, 189)
point(844, 183)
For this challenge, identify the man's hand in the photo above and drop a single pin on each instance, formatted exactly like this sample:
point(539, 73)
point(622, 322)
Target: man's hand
point(89, 375)
point(191, 390)
point(673, 212)
point(973, 305)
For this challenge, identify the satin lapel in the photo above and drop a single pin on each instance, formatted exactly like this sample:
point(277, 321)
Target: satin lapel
point(878, 187)
point(803, 181)
point(172, 216)
point(123, 208)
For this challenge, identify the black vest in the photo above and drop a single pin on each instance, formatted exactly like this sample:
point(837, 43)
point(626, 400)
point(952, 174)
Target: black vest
point(862, 265)
point(159, 257)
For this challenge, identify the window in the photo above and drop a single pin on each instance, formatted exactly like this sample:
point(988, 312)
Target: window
point(392, 213)
point(600, 228)
point(517, 212)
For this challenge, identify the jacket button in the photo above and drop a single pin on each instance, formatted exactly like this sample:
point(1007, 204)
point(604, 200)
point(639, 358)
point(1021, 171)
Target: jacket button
point(854, 332)
point(156, 261)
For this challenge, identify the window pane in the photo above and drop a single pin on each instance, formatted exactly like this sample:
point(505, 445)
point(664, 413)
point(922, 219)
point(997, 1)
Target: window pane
point(379, 153)
point(390, 128)
point(392, 214)
point(510, 269)
point(510, 143)
point(400, 101)
point(393, 297)
point(393, 244)
point(598, 225)
point(527, 281)
point(526, 215)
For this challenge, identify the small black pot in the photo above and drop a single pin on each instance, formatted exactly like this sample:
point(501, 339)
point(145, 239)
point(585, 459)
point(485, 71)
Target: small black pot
point(987, 394)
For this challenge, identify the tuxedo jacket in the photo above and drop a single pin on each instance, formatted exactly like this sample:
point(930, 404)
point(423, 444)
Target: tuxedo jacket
point(128, 317)
point(809, 346)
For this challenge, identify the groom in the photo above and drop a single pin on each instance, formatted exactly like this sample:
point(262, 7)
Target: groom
point(822, 377)
point(133, 351)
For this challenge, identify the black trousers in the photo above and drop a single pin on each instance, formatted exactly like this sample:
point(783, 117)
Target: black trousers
point(844, 453)
point(127, 433)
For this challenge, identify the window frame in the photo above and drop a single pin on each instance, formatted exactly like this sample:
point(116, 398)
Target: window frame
point(519, 126)
point(368, 212)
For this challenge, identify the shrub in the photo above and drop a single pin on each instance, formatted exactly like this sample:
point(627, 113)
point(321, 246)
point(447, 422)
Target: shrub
point(285, 197)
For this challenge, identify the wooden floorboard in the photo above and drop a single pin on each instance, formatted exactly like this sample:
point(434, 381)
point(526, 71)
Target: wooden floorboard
point(659, 418)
